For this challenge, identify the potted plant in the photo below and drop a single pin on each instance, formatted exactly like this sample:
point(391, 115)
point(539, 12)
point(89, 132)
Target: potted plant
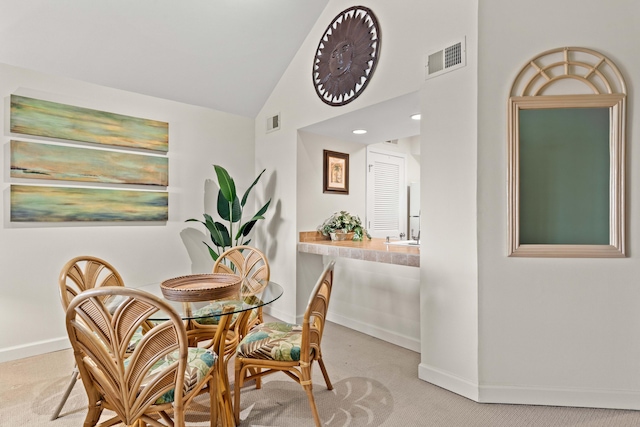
point(230, 209)
point(341, 225)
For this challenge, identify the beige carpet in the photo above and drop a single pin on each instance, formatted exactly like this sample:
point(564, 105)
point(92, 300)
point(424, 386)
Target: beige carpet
point(375, 384)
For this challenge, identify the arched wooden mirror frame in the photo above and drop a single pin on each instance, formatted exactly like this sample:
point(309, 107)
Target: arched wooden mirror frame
point(569, 78)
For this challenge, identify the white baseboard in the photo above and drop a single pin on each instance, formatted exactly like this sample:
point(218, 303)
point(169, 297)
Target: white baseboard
point(584, 398)
point(448, 381)
point(377, 332)
point(33, 349)
point(610, 399)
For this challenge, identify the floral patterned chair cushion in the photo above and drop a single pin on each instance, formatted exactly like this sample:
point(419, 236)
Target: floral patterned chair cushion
point(275, 341)
point(200, 361)
point(207, 315)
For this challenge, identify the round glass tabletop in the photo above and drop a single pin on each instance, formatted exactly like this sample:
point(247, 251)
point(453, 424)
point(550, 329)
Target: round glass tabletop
point(247, 299)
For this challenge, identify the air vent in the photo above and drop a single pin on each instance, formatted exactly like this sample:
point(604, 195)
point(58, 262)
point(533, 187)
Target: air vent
point(273, 123)
point(448, 59)
point(392, 142)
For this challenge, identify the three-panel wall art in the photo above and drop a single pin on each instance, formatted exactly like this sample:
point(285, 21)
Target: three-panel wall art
point(110, 167)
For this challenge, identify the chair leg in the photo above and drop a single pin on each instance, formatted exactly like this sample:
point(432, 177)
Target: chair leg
point(314, 410)
point(324, 373)
point(67, 392)
point(306, 383)
point(224, 396)
point(93, 414)
point(213, 401)
point(237, 383)
point(258, 379)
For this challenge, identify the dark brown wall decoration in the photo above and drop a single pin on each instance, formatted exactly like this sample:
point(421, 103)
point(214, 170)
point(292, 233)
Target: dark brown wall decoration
point(347, 56)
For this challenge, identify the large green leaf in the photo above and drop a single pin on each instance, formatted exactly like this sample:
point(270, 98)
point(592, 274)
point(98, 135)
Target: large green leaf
point(212, 252)
point(216, 237)
point(229, 211)
point(209, 224)
point(224, 207)
point(208, 221)
point(236, 210)
point(222, 235)
point(217, 231)
point(216, 234)
point(246, 193)
point(263, 209)
point(227, 186)
point(246, 228)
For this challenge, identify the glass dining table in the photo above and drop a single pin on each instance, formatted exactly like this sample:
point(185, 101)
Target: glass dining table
point(252, 295)
point(260, 294)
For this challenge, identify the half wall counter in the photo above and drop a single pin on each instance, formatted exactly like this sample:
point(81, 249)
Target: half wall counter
point(376, 249)
point(378, 285)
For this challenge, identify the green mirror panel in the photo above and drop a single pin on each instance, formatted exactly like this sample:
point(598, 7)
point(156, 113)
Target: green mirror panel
point(564, 176)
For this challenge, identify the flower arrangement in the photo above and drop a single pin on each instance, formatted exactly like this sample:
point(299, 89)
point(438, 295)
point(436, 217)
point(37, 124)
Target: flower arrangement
point(344, 222)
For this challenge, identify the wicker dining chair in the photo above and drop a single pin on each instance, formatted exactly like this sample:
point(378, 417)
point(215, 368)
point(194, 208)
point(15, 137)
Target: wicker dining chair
point(277, 346)
point(78, 275)
point(161, 376)
point(252, 266)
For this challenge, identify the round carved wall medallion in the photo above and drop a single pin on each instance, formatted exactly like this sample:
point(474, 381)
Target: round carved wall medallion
point(346, 56)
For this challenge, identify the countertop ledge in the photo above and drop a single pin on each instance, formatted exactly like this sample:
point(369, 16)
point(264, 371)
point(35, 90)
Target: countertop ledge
point(375, 249)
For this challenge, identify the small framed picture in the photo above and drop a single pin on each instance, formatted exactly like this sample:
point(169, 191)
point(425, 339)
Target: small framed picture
point(335, 172)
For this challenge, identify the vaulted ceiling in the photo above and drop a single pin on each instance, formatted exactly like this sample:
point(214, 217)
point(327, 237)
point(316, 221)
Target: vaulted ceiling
point(227, 55)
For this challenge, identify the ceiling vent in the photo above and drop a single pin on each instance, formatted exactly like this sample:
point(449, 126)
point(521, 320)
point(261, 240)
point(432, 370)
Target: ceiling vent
point(273, 123)
point(448, 59)
point(392, 141)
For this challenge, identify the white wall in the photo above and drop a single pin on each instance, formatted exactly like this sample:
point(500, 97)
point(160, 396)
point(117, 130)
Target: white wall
point(381, 300)
point(449, 298)
point(554, 331)
point(410, 30)
point(31, 256)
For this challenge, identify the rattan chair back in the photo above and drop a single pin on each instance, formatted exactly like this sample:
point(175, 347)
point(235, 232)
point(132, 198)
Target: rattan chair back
point(252, 266)
point(85, 272)
point(78, 275)
point(244, 261)
point(316, 314)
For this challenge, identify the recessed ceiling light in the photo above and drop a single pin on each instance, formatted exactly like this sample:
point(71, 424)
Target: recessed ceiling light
point(360, 131)
point(415, 116)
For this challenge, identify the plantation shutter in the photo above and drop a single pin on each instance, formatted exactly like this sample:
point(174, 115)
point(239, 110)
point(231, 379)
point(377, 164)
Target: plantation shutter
point(386, 195)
